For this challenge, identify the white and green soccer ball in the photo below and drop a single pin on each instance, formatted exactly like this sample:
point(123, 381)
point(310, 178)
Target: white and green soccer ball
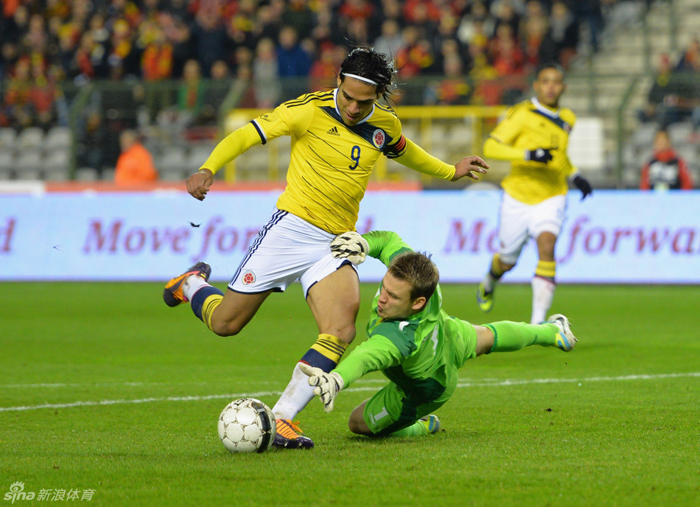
point(247, 425)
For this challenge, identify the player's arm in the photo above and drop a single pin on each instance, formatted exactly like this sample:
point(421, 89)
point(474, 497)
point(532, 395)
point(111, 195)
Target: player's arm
point(227, 150)
point(493, 148)
point(414, 157)
point(499, 145)
point(577, 179)
point(385, 245)
point(259, 131)
point(375, 354)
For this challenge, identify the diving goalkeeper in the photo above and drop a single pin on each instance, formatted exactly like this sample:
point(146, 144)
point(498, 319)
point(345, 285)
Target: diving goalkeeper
point(415, 344)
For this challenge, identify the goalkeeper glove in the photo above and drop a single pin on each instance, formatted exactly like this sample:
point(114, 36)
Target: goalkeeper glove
point(328, 385)
point(583, 185)
point(350, 245)
point(541, 155)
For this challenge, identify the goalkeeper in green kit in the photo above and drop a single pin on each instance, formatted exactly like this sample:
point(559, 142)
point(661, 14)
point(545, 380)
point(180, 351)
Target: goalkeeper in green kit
point(415, 344)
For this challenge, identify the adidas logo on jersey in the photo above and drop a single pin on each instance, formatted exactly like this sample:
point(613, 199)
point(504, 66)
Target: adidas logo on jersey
point(333, 131)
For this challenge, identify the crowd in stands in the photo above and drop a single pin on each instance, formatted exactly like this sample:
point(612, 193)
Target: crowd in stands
point(459, 42)
point(675, 93)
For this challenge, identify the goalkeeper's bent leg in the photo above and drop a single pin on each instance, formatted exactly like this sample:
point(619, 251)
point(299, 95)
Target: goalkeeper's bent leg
point(324, 354)
point(511, 336)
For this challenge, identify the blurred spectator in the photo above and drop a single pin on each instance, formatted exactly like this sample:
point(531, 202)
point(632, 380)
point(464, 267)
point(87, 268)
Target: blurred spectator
point(454, 89)
point(505, 14)
point(91, 148)
point(267, 24)
point(135, 164)
point(209, 37)
point(324, 71)
point(293, 61)
point(17, 110)
point(42, 96)
point(216, 92)
point(666, 170)
point(590, 12)
point(390, 41)
point(562, 39)
point(419, 11)
point(671, 97)
point(690, 61)
point(353, 9)
point(477, 27)
point(190, 100)
point(533, 33)
point(506, 56)
point(265, 75)
point(157, 59)
point(299, 15)
point(415, 56)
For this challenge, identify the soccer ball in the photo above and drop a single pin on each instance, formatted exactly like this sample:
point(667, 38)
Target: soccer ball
point(247, 425)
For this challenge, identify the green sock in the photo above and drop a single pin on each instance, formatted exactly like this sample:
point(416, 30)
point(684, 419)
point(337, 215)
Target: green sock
point(417, 429)
point(509, 336)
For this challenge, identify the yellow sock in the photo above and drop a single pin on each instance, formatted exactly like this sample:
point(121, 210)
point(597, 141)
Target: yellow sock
point(326, 352)
point(546, 269)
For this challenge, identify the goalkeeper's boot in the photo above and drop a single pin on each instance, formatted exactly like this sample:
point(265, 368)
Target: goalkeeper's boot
point(484, 299)
point(432, 423)
point(173, 295)
point(290, 436)
point(566, 340)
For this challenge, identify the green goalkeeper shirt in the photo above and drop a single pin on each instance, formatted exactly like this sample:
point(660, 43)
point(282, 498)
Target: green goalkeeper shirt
point(427, 345)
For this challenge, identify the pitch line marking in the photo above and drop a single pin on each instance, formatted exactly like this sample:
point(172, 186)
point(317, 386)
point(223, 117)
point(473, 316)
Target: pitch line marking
point(491, 383)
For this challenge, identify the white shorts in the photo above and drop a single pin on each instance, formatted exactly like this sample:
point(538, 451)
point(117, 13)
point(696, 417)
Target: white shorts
point(287, 248)
point(518, 222)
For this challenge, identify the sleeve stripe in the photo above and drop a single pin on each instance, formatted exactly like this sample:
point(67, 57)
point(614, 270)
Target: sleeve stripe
point(260, 131)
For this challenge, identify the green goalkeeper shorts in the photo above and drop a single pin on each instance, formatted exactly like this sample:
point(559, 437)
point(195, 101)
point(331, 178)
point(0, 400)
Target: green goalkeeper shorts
point(394, 408)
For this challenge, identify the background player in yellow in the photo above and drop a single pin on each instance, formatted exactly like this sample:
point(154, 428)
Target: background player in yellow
point(534, 137)
point(336, 137)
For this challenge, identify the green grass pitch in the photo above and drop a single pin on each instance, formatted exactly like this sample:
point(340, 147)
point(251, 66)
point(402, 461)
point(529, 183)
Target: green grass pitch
point(105, 389)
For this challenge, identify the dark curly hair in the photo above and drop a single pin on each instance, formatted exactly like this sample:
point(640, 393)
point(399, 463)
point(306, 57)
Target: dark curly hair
point(370, 64)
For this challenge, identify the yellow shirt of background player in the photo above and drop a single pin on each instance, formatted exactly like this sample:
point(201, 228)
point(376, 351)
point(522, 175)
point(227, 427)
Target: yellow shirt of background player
point(529, 126)
point(330, 162)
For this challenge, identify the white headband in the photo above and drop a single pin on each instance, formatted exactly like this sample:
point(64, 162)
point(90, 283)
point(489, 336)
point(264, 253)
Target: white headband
point(361, 79)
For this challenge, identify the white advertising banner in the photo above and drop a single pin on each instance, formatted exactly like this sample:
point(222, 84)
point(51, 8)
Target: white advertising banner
point(613, 237)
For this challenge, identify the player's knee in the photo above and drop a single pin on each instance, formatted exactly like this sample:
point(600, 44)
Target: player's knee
point(226, 328)
point(506, 265)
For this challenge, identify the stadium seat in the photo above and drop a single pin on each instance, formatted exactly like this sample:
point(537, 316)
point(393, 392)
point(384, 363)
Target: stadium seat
point(174, 159)
point(31, 138)
point(58, 138)
point(86, 174)
point(644, 135)
point(689, 153)
point(7, 161)
point(679, 133)
point(7, 138)
point(198, 154)
point(179, 175)
point(28, 165)
point(57, 165)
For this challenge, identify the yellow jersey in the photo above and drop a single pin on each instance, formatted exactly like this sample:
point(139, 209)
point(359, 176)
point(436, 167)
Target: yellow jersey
point(528, 126)
point(331, 162)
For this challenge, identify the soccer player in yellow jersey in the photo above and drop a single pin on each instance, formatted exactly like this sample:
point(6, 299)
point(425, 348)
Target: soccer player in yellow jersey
point(534, 137)
point(337, 136)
